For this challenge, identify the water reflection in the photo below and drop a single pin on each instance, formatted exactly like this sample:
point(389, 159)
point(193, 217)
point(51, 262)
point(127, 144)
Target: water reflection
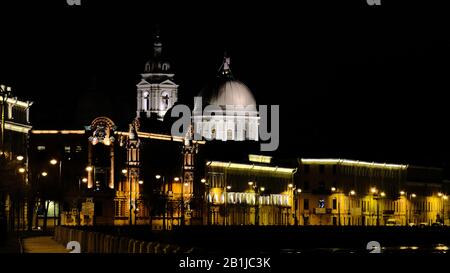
point(435, 248)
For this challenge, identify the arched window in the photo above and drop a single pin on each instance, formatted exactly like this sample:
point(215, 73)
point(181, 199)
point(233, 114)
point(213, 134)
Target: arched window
point(146, 101)
point(165, 66)
point(165, 101)
point(147, 67)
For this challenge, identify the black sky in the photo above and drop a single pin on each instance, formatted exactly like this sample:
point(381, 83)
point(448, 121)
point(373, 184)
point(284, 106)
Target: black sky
point(351, 80)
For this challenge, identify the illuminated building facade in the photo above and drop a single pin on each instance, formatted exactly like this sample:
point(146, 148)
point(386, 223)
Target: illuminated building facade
point(14, 126)
point(348, 192)
point(248, 194)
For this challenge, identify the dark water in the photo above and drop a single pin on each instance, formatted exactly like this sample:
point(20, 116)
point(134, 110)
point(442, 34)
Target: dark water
point(413, 249)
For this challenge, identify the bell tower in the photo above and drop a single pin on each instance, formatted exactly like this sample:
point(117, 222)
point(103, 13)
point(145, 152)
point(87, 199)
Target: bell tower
point(156, 92)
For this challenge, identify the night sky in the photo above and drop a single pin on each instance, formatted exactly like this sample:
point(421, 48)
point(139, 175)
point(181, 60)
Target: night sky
point(352, 81)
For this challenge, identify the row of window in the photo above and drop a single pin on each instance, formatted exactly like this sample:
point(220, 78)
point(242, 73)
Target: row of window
point(67, 149)
point(322, 185)
point(306, 169)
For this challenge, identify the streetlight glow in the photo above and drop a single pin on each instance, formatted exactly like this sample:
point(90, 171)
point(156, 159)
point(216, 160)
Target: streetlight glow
point(299, 190)
point(44, 173)
point(176, 179)
point(203, 180)
point(228, 187)
point(21, 170)
point(84, 180)
point(402, 193)
point(290, 185)
point(333, 189)
point(352, 192)
point(53, 161)
point(250, 183)
point(186, 184)
point(141, 182)
point(157, 176)
point(124, 171)
point(373, 190)
point(89, 168)
point(382, 194)
point(262, 189)
point(445, 197)
point(413, 195)
point(439, 194)
point(20, 157)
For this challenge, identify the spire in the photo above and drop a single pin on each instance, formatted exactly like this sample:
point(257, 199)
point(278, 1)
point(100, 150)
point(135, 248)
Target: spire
point(225, 69)
point(157, 45)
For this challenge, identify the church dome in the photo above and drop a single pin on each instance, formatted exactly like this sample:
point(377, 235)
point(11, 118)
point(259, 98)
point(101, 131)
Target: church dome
point(225, 90)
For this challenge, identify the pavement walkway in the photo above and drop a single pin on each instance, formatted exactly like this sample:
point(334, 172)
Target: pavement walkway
point(42, 244)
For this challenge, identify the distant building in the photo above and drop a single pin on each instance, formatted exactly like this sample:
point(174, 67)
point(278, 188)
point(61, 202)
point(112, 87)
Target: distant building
point(350, 192)
point(248, 194)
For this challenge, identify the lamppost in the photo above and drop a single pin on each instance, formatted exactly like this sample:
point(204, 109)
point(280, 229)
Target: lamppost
point(38, 180)
point(408, 205)
point(256, 190)
point(204, 181)
point(128, 177)
point(374, 192)
point(225, 201)
point(444, 198)
point(183, 205)
point(164, 196)
point(83, 180)
point(297, 193)
point(5, 92)
point(54, 162)
point(181, 223)
point(350, 194)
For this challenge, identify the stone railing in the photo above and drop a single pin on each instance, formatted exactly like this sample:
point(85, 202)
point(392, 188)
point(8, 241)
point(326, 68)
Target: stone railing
point(96, 242)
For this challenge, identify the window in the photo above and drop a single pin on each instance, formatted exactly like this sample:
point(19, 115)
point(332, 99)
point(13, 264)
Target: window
point(67, 149)
point(306, 168)
point(306, 185)
point(229, 134)
point(41, 148)
point(165, 101)
point(305, 204)
point(335, 203)
point(321, 168)
point(78, 149)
